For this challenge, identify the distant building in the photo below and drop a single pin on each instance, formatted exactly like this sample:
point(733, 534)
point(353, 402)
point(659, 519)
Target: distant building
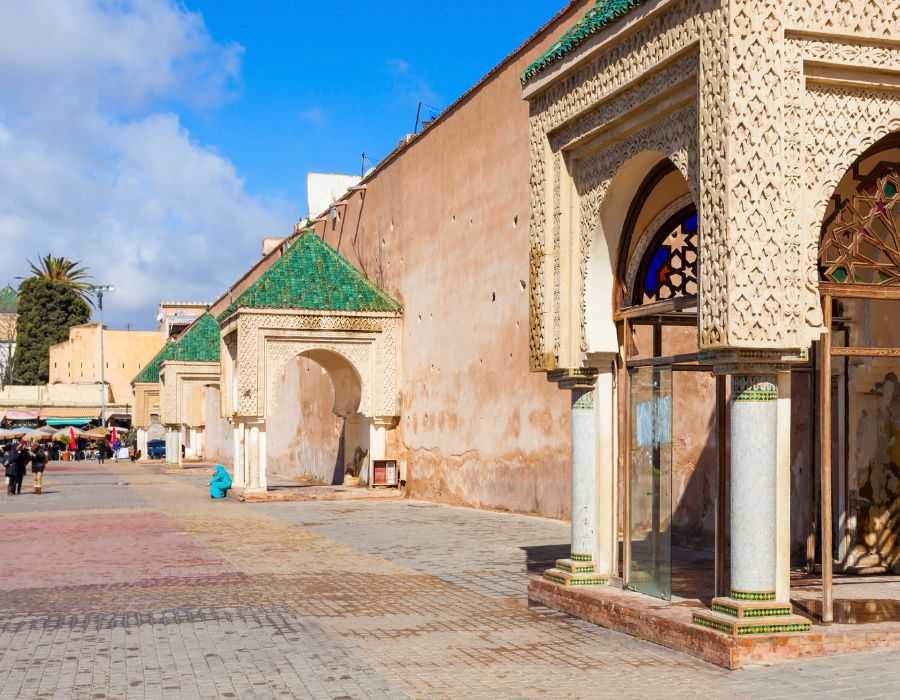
point(77, 360)
point(8, 323)
point(175, 316)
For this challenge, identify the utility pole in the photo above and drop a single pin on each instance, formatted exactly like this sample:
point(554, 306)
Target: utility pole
point(99, 290)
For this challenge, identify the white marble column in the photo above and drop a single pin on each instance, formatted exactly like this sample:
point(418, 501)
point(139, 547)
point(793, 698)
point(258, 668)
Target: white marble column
point(754, 493)
point(142, 442)
point(606, 538)
point(783, 489)
point(580, 568)
point(239, 476)
point(584, 474)
point(263, 462)
point(253, 458)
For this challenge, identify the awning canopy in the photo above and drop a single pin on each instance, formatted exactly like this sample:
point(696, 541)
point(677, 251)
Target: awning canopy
point(86, 413)
point(22, 414)
point(78, 420)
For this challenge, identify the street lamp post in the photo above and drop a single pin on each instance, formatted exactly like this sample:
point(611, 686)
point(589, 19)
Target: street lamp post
point(100, 290)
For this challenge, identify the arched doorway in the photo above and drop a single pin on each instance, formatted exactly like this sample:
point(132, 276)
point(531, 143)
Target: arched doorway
point(316, 434)
point(673, 406)
point(859, 372)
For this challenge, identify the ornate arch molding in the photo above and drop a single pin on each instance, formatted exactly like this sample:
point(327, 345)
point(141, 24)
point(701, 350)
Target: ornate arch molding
point(268, 338)
point(146, 402)
point(842, 123)
point(674, 137)
point(178, 385)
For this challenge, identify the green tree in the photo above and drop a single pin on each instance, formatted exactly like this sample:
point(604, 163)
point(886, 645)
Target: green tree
point(48, 308)
point(69, 272)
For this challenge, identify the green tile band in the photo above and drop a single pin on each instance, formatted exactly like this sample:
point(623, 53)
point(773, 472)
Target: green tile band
point(776, 628)
point(563, 581)
point(753, 388)
point(582, 399)
point(734, 611)
point(753, 595)
point(576, 569)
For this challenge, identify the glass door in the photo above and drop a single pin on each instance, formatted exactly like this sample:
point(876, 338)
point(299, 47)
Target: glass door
point(649, 529)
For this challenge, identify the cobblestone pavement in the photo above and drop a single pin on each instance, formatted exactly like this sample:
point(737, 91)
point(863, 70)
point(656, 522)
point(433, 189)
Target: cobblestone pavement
point(120, 581)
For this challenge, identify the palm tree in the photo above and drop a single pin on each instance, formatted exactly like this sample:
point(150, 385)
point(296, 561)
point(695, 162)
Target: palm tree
point(69, 272)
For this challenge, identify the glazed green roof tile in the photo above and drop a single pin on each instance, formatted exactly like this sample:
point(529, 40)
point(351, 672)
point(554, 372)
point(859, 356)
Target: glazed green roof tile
point(8, 300)
point(199, 343)
point(600, 16)
point(150, 373)
point(313, 276)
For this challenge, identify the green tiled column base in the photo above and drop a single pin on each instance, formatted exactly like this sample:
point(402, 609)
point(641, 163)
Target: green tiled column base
point(577, 570)
point(791, 624)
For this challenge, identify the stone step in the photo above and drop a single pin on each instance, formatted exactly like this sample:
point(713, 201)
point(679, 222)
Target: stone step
point(746, 627)
point(754, 609)
point(567, 578)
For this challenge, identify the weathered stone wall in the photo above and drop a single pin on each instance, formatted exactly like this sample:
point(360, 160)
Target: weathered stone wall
point(444, 228)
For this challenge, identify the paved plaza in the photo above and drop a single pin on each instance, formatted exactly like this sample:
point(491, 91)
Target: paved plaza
point(120, 581)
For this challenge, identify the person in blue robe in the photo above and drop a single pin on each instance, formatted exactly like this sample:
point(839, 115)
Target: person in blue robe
point(220, 483)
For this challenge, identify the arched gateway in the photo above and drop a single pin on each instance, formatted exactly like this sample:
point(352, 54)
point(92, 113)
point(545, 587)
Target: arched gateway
point(310, 303)
point(684, 157)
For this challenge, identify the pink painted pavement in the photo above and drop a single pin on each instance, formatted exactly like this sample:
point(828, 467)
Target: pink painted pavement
point(78, 550)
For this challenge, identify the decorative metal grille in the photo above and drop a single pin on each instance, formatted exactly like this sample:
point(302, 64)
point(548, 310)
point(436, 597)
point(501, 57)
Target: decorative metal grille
point(861, 244)
point(669, 265)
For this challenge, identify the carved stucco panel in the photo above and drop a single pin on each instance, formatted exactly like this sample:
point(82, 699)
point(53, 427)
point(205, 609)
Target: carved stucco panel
point(876, 18)
point(762, 285)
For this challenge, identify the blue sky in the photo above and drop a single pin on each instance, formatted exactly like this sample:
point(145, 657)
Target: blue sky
point(319, 86)
point(158, 141)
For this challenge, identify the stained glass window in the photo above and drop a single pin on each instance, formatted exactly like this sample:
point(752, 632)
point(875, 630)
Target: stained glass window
point(669, 267)
point(861, 244)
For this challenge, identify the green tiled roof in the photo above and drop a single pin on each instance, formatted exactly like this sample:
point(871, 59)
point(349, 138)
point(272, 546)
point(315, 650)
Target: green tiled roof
point(150, 373)
point(8, 299)
point(601, 15)
point(313, 276)
point(199, 343)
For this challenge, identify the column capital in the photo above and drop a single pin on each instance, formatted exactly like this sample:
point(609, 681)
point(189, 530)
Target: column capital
point(574, 377)
point(746, 361)
point(386, 422)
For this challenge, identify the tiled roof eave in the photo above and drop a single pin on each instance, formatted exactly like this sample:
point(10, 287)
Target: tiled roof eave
point(597, 19)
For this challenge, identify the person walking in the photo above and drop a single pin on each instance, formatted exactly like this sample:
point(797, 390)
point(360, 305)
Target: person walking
point(101, 450)
point(38, 464)
point(23, 457)
point(9, 464)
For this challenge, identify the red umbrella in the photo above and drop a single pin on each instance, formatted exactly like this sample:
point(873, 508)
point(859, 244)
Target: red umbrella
point(72, 443)
point(113, 437)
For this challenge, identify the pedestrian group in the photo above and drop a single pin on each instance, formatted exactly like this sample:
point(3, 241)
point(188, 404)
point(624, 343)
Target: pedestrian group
point(16, 459)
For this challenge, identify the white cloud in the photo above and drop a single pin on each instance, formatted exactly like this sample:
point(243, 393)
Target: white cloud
point(94, 166)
